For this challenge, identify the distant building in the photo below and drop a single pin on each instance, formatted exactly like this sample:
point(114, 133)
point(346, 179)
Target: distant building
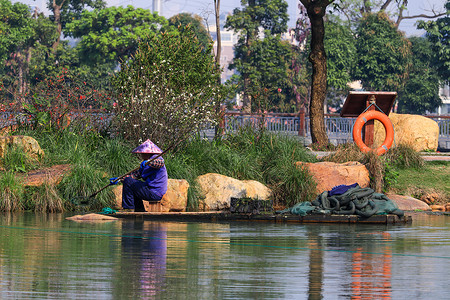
point(228, 40)
point(444, 94)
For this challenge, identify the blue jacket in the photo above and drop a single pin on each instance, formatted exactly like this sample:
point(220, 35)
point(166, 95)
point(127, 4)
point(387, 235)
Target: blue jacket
point(155, 174)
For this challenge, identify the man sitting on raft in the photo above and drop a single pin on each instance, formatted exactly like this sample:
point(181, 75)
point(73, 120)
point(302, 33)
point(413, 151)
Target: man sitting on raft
point(153, 173)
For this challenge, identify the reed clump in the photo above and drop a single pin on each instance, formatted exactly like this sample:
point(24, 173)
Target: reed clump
point(46, 199)
point(11, 192)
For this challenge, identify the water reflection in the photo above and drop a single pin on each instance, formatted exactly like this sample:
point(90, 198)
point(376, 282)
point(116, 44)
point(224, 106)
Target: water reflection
point(48, 257)
point(315, 274)
point(142, 260)
point(371, 274)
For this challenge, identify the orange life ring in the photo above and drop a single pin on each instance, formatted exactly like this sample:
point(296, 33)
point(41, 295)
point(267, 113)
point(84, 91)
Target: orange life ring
point(371, 115)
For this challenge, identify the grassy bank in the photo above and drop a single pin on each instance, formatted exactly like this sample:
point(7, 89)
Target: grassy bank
point(96, 157)
point(246, 155)
point(434, 177)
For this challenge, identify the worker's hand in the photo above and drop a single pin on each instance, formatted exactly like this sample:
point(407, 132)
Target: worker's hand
point(113, 181)
point(143, 164)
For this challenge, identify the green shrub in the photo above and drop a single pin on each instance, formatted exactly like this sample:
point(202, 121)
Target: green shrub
point(168, 89)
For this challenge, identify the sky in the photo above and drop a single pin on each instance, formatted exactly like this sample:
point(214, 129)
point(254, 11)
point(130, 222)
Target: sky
point(206, 7)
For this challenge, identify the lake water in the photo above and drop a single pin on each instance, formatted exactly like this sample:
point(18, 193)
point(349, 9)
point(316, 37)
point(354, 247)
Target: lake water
point(49, 257)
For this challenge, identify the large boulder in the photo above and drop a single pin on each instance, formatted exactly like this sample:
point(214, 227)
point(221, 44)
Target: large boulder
point(329, 174)
point(219, 189)
point(175, 198)
point(28, 144)
point(421, 133)
point(408, 203)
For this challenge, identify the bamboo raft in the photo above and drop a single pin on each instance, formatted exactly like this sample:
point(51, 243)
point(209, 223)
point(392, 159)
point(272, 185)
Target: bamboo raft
point(215, 216)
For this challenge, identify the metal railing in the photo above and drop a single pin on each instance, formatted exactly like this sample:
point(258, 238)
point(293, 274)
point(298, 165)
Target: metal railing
point(338, 128)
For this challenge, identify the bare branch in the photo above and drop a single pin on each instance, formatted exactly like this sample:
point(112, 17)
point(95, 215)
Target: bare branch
point(435, 15)
point(385, 5)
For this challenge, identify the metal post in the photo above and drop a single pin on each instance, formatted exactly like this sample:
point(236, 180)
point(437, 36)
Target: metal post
point(301, 125)
point(369, 128)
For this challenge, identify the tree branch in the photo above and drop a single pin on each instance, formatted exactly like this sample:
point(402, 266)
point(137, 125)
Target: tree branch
point(385, 5)
point(435, 15)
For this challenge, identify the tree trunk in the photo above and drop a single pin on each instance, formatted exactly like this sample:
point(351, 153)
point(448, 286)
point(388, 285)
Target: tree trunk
point(219, 40)
point(219, 128)
point(316, 12)
point(246, 97)
point(57, 13)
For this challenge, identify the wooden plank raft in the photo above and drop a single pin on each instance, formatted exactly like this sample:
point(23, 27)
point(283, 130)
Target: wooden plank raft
point(282, 218)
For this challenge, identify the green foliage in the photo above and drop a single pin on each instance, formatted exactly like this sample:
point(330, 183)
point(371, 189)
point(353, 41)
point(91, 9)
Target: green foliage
point(113, 33)
point(46, 62)
point(16, 28)
point(72, 9)
point(382, 57)
point(390, 175)
point(183, 20)
point(269, 14)
point(19, 32)
point(421, 92)
point(261, 63)
point(11, 192)
point(438, 33)
point(168, 90)
point(341, 53)
point(115, 157)
point(15, 159)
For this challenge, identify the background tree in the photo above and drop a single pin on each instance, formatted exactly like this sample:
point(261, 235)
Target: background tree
point(168, 89)
point(24, 32)
point(268, 15)
point(182, 20)
point(421, 92)
point(438, 33)
point(316, 12)
point(113, 33)
point(340, 47)
point(355, 10)
point(382, 54)
point(67, 10)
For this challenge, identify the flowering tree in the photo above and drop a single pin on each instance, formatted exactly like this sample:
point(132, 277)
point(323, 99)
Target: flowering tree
point(52, 101)
point(167, 90)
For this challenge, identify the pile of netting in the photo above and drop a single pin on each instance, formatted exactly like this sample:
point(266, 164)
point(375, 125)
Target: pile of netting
point(347, 200)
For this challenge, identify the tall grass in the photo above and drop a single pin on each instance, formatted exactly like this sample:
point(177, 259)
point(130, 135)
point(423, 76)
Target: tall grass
point(94, 159)
point(404, 156)
point(46, 198)
point(247, 155)
point(81, 183)
point(244, 155)
point(15, 159)
point(11, 192)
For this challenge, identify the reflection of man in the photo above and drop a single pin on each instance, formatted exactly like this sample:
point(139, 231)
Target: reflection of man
point(144, 251)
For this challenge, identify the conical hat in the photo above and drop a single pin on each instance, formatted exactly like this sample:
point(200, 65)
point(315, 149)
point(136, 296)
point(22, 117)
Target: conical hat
point(147, 147)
